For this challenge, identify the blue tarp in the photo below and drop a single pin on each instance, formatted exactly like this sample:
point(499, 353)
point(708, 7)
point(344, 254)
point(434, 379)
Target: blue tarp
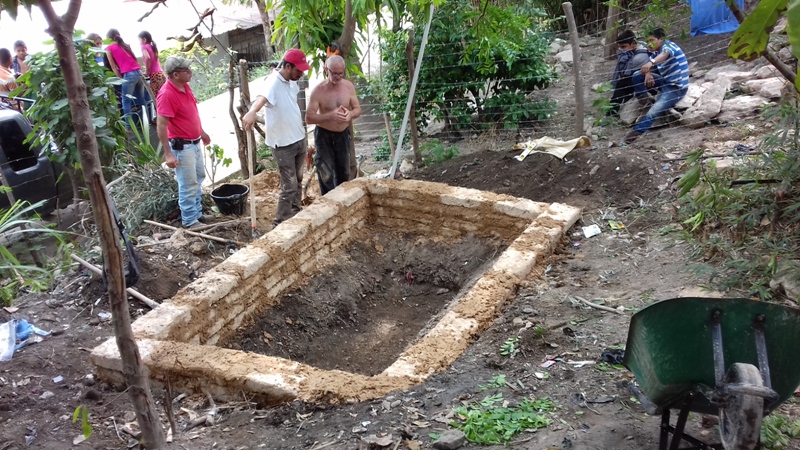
point(712, 17)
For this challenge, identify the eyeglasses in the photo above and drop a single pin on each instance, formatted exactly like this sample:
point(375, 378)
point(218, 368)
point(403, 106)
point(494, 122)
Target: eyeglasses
point(335, 74)
point(182, 70)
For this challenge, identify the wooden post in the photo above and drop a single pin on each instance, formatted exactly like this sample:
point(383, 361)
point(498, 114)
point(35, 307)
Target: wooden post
point(244, 95)
point(251, 149)
point(611, 30)
point(389, 134)
point(576, 68)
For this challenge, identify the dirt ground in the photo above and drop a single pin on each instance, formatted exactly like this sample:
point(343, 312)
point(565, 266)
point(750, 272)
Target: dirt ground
point(363, 312)
point(44, 383)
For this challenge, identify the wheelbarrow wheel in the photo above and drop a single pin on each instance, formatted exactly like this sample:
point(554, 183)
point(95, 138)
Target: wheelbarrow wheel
point(740, 418)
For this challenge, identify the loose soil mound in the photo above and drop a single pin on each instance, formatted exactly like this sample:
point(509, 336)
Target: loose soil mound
point(368, 307)
point(585, 178)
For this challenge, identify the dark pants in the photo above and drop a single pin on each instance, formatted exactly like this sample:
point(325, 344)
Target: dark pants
point(623, 91)
point(290, 160)
point(332, 159)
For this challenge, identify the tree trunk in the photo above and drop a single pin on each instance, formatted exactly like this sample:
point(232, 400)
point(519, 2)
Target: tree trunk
point(266, 23)
point(345, 41)
point(241, 136)
point(412, 116)
point(611, 30)
point(244, 106)
point(61, 29)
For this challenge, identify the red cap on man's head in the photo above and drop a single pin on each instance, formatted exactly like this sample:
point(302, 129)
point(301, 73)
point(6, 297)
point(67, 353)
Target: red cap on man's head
point(298, 58)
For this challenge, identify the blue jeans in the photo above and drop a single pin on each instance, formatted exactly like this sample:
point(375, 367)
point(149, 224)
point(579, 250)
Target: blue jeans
point(132, 94)
point(190, 174)
point(669, 96)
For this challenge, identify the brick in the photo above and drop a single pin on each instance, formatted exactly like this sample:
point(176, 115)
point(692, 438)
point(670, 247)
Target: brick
point(515, 262)
point(346, 196)
point(286, 235)
point(157, 324)
point(523, 208)
point(250, 259)
point(211, 287)
point(318, 213)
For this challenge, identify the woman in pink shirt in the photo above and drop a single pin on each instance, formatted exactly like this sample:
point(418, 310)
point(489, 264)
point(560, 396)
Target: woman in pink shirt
point(124, 65)
point(152, 67)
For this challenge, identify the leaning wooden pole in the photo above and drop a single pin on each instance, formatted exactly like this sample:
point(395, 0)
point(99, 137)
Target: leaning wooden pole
point(576, 68)
point(61, 28)
point(611, 30)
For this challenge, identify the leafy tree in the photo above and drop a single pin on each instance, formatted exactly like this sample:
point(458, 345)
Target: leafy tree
point(62, 29)
point(51, 117)
point(480, 61)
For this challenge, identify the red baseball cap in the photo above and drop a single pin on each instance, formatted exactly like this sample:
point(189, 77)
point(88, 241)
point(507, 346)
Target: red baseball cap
point(298, 58)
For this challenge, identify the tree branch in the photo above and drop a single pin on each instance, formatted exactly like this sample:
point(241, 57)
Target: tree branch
point(72, 14)
point(769, 55)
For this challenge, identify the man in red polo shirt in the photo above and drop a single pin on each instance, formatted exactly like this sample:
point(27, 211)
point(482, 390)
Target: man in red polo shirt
point(181, 134)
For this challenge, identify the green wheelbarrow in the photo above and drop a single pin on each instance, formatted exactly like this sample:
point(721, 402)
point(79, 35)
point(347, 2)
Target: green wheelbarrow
point(735, 358)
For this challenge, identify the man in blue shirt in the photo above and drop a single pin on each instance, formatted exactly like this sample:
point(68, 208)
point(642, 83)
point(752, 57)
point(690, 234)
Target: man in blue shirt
point(671, 80)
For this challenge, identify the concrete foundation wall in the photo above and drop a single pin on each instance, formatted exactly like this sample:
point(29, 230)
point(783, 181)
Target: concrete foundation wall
point(177, 340)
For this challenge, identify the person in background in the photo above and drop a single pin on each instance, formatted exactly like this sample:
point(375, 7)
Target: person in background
point(21, 52)
point(285, 131)
point(631, 55)
point(8, 78)
point(152, 67)
point(124, 65)
point(333, 104)
point(99, 58)
point(671, 81)
point(182, 137)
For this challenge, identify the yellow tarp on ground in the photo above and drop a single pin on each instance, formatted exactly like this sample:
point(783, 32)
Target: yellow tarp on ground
point(546, 144)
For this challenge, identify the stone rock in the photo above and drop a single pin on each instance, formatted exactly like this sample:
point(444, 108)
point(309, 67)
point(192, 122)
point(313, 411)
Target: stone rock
point(715, 72)
point(694, 92)
point(555, 47)
point(699, 74)
point(735, 76)
point(708, 105)
point(670, 117)
point(630, 111)
point(787, 279)
point(565, 56)
point(89, 380)
point(786, 55)
point(406, 166)
point(450, 440)
point(740, 107)
point(780, 26)
point(767, 72)
point(767, 88)
point(46, 395)
point(198, 248)
point(92, 394)
point(693, 68)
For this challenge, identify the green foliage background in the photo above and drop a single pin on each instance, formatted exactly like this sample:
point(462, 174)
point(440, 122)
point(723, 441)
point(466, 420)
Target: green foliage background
point(478, 61)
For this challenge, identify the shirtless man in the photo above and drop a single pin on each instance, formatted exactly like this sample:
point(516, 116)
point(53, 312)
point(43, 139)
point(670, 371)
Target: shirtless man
point(333, 104)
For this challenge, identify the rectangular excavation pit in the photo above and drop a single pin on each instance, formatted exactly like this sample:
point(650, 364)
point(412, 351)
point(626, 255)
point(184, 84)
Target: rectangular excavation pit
point(180, 341)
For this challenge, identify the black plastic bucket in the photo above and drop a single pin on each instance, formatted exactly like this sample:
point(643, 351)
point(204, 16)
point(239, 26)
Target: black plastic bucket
point(231, 199)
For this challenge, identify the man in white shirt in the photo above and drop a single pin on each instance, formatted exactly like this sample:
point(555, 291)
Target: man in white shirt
point(284, 130)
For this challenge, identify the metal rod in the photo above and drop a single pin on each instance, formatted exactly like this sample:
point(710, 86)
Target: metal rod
point(677, 435)
point(761, 349)
point(716, 341)
point(663, 441)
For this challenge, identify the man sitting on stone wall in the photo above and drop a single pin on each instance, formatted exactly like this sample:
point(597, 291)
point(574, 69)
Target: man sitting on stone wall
point(671, 81)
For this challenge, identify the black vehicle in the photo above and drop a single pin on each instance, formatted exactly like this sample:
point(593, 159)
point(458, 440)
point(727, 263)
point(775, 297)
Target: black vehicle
point(27, 170)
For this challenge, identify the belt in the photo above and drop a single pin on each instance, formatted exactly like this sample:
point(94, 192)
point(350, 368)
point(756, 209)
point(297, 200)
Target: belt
point(185, 141)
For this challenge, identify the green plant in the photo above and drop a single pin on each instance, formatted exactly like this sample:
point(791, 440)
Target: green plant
point(216, 155)
point(50, 115)
point(434, 152)
point(481, 64)
point(145, 153)
point(210, 75)
point(509, 347)
point(21, 220)
point(777, 429)
point(485, 423)
point(741, 233)
point(83, 412)
point(494, 383)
